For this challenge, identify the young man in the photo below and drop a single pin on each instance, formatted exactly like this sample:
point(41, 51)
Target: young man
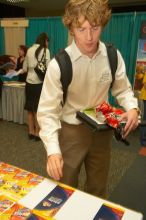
point(68, 142)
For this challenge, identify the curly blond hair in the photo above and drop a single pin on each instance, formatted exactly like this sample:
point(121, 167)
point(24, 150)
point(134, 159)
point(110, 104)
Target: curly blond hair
point(97, 12)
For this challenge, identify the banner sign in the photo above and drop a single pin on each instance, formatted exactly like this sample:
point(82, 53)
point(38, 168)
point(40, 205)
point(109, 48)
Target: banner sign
point(141, 58)
point(143, 30)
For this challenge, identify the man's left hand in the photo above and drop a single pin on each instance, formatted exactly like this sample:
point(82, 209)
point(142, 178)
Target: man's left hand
point(131, 118)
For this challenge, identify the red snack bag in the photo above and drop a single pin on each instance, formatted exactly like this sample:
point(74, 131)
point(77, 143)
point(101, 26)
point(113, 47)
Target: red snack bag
point(118, 111)
point(104, 108)
point(111, 114)
point(112, 119)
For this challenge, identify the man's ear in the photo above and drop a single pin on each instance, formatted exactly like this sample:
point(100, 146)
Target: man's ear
point(71, 31)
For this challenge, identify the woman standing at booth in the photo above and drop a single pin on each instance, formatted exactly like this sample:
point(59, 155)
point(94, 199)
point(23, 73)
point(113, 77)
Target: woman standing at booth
point(22, 50)
point(33, 83)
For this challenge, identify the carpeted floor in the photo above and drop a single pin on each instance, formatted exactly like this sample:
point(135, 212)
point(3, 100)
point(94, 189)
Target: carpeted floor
point(126, 164)
point(131, 191)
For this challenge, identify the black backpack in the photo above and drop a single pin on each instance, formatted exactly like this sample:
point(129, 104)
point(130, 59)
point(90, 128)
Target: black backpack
point(65, 65)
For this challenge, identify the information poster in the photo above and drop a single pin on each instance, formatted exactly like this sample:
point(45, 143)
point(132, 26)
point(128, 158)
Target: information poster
point(141, 58)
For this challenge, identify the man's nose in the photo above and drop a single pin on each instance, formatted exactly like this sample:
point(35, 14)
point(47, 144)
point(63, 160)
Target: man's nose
point(89, 34)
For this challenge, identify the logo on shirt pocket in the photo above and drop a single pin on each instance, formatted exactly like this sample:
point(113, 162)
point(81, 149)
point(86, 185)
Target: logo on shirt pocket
point(105, 77)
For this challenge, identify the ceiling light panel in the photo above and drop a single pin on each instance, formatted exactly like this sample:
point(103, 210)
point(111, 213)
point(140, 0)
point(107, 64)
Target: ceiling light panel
point(17, 1)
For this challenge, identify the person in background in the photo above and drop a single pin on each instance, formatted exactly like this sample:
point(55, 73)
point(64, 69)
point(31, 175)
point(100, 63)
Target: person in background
point(22, 50)
point(7, 62)
point(68, 141)
point(142, 96)
point(33, 83)
point(1, 85)
point(8, 65)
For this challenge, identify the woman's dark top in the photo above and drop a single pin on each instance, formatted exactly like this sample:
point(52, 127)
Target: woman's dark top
point(22, 77)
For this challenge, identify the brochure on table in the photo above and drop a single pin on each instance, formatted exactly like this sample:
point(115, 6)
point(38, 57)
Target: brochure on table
point(25, 195)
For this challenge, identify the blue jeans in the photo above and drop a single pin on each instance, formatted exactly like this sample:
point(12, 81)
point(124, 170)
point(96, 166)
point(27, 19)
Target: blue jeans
point(143, 129)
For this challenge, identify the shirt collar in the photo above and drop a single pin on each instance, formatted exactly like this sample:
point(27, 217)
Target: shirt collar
point(76, 53)
point(102, 49)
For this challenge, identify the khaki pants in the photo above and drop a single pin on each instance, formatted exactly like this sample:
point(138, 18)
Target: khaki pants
point(80, 144)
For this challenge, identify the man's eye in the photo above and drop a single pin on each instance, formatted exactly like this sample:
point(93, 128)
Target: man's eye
point(95, 28)
point(80, 29)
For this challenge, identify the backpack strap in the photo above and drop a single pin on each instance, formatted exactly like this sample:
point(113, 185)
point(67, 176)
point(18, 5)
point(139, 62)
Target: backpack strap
point(113, 60)
point(65, 65)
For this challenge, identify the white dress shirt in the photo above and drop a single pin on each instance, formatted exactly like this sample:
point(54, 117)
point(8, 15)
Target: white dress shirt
point(30, 62)
point(89, 87)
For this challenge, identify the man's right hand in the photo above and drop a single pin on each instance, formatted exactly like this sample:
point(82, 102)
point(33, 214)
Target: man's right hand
point(55, 166)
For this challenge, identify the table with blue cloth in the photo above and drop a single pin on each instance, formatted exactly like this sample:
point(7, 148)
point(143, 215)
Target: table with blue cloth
point(7, 79)
point(12, 102)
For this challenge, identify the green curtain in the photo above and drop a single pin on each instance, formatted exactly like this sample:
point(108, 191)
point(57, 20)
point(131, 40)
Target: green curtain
point(53, 26)
point(58, 34)
point(35, 27)
point(2, 41)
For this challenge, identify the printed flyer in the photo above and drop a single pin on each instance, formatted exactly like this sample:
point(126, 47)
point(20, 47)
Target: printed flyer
point(51, 204)
point(5, 203)
point(15, 182)
point(107, 212)
point(18, 212)
point(9, 210)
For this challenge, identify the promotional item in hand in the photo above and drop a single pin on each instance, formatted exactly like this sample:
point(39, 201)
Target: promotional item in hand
point(113, 119)
point(111, 114)
point(118, 134)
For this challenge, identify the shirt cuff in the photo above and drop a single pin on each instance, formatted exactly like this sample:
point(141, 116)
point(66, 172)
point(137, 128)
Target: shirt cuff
point(53, 148)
